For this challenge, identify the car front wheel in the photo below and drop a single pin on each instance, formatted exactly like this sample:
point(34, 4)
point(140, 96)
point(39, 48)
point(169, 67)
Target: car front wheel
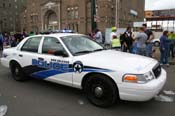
point(101, 91)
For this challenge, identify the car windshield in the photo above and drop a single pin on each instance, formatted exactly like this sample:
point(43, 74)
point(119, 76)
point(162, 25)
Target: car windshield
point(79, 44)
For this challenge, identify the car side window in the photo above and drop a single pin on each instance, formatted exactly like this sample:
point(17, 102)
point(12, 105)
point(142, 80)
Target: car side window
point(31, 45)
point(52, 46)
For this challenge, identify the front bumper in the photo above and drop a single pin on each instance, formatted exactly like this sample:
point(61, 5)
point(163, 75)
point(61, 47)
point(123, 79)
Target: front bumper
point(142, 92)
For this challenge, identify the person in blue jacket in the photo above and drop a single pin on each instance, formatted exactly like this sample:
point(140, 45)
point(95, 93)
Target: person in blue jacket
point(164, 49)
point(1, 41)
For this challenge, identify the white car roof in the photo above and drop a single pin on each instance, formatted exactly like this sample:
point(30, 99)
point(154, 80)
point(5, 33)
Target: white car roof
point(57, 35)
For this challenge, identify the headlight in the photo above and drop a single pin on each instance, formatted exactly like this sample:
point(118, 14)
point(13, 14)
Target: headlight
point(138, 78)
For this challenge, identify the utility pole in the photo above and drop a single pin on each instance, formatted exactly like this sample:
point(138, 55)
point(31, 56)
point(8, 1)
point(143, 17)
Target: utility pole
point(117, 12)
point(93, 15)
point(1, 26)
point(14, 24)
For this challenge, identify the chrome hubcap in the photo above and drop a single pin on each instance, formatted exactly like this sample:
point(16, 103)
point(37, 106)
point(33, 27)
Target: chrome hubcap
point(98, 92)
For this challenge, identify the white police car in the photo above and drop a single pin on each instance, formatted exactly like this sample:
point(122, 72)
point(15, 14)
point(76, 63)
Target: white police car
point(77, 61)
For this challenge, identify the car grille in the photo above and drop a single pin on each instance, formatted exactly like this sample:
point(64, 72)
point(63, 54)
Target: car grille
point(157, 70)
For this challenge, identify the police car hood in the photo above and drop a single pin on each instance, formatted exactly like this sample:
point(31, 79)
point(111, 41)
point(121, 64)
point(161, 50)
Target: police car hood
point(116, 61)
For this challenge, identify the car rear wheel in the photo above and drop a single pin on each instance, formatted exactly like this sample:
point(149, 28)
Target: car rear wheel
point(101, 91)
point(17, 72)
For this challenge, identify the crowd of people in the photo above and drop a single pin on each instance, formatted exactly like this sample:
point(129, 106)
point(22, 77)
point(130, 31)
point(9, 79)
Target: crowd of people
point(127, 42)
point(167, 47)
point(140, 43)
point(12, 39)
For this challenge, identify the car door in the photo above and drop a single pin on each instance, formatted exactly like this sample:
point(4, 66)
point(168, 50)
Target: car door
point(55, 61)
point(28, 52)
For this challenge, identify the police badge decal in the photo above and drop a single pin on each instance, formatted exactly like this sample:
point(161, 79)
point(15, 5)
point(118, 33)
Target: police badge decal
point(78, 67)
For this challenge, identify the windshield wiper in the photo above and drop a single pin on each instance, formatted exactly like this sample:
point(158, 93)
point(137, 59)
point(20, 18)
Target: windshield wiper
point(98, 50)
point(82, 52)
point(86, 52)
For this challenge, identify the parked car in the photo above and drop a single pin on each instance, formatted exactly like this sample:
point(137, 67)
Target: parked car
point(77, 61)
point(156, 42)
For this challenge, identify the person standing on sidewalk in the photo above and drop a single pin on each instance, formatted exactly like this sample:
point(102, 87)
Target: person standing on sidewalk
point(98, 36)
point(116, 43)
point(6, 39)
point(141, 39)
point(171, 37)
point(113, 34)
point(12, 40)
point(128, 40)
point(164, 49)
point(149, 44)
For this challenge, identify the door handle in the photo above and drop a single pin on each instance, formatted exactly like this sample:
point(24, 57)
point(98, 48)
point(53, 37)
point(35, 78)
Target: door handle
point(20, 55)
point(41, 59)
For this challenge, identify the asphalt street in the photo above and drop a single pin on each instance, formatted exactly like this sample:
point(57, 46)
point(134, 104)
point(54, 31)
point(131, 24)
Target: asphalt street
point(41, 98)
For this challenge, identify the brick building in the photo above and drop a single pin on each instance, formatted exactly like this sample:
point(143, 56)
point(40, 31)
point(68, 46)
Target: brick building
point(10, 11)
point(42, 15)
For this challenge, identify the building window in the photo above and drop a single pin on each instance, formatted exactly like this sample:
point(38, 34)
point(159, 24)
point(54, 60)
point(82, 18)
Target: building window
point(5, 24)
point(76, 13)
point(31, 19)
point(72, 13)
point(12, 25)
point(25, 20)
point(69, 13)
point(35, 18)
point(3, 5)
point(76, 28)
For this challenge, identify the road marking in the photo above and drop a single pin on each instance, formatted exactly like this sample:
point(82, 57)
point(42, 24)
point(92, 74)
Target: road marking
point(163, 98)
point(169, 92)
point(81, 102)
point(166, 96)
point(3, 110)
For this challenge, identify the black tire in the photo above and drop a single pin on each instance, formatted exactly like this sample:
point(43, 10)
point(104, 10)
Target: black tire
point(17, 72)
point(101, 90)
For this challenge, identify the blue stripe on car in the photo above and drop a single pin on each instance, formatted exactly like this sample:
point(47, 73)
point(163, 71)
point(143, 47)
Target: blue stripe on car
point(48, 73)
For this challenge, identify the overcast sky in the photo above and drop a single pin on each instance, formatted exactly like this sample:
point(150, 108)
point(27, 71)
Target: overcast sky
point(159, 4)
